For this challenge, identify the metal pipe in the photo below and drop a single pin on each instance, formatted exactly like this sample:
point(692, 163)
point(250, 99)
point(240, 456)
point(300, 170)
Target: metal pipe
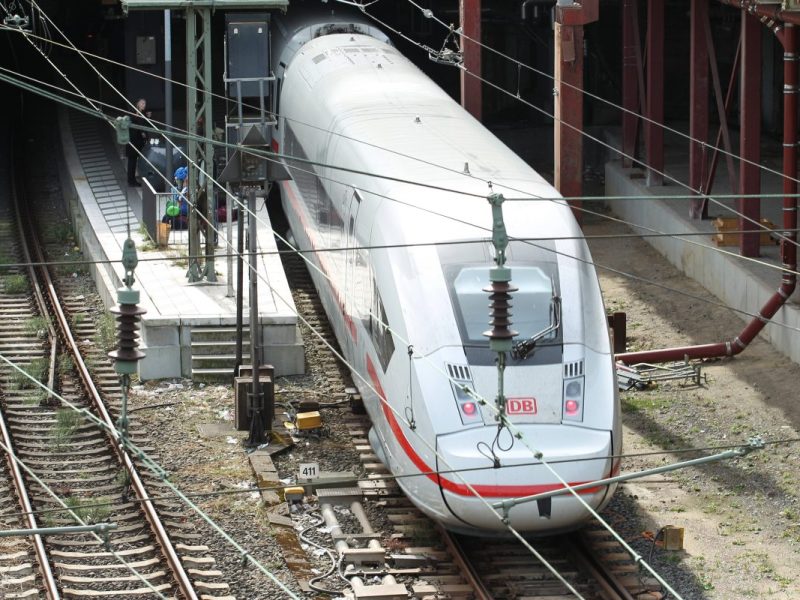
point(788, 245)
point(333, 525)
point(768, 13)
point(358, 512)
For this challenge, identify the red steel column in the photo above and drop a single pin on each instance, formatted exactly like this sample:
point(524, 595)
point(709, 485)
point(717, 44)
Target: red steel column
point(698, 103)
point(750, 124)
point(790, 101)
point(569, 111)
point(630, 89)
point(471, 88)
point(568, 76)
point(654, 131)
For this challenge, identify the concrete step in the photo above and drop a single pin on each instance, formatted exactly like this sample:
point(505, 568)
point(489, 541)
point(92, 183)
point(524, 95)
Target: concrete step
point(217, 361)
point(216, 334)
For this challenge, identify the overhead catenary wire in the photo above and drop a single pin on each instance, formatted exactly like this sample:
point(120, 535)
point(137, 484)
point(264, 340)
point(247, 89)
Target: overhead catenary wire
point(697, 194)
point(428, 13)
point(272, 157)
point(531, 548)
point(516, 534)
point(582, 132)
point(393, 477)
point(597, 265)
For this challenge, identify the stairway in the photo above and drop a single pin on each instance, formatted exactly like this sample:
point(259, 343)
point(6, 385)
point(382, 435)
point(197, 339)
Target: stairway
point(214, 352)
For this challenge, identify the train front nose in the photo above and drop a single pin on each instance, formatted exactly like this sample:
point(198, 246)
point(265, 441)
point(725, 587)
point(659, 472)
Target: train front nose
point(469, 493)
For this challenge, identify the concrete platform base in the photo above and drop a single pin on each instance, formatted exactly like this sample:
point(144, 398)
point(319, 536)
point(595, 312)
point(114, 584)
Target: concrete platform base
point(744, 285)
point(102, 210)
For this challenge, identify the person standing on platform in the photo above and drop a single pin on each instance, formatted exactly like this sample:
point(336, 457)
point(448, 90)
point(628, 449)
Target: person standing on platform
point(138, 141)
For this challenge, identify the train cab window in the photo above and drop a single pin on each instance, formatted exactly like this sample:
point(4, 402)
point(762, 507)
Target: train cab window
point(535, 307)
point(531, 304)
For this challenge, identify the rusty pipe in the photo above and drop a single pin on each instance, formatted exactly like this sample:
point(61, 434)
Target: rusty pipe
point(767, 12)
point(788, 245)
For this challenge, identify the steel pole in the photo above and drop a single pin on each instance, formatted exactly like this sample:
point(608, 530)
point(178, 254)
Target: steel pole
point(755, 444)
point(168, 91)
point(256, 397)
point(239, 289)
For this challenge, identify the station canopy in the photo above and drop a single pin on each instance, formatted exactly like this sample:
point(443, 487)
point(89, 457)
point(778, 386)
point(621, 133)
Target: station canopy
point(128, 5)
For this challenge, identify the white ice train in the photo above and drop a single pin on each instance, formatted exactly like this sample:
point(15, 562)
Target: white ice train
point(416, 258)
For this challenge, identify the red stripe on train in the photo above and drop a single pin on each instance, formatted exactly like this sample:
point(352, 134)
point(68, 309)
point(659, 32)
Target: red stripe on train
point(486, 491)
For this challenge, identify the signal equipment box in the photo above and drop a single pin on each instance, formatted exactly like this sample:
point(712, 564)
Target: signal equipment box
point(247, 59)
point(242, 386)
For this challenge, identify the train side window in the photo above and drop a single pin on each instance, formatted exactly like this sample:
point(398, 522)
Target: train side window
point(379, 331)
point(278, 85)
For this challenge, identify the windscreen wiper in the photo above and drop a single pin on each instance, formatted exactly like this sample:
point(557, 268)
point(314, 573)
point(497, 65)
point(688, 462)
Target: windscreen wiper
point(522, 349)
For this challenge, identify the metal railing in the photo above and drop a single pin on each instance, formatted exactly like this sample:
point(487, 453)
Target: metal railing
point(171, 232)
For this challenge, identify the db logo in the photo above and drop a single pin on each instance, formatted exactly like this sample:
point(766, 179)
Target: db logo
point(521, 406)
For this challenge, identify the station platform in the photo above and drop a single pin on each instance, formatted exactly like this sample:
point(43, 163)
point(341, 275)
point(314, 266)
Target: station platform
point(741, 283)
point(189, 329)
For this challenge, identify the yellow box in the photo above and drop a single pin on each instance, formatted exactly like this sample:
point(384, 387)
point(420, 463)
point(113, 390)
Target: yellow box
point(309, 420)
point(673, 537)
point(725, 225)
point(294, 494)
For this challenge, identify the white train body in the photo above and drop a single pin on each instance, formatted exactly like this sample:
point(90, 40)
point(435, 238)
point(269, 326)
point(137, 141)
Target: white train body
point(406, 255)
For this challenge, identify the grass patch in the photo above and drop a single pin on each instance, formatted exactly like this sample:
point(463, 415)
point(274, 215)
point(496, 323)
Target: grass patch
point(67, 423)
point(123, 478)
point(37, 369)
point(66, 366)
point(36, 326)
point(105, 337)
point(15, 284)
point(58, 233)
point(39, 397)
point(89, 511)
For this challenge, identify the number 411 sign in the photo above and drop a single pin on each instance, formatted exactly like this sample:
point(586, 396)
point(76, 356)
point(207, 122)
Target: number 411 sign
point(308, 471)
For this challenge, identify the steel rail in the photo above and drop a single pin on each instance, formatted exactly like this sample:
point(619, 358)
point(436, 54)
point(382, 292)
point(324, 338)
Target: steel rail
point(610, 586)
point(181, 577)
point(50, 586)
point(45, 570)
point(464, 565)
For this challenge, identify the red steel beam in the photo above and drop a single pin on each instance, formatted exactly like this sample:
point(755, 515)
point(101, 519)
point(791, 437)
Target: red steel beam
point(630, 89)
point(788, 37)
point(698, 103)
point(750, 138)
point(471, 88)
point(654, 128)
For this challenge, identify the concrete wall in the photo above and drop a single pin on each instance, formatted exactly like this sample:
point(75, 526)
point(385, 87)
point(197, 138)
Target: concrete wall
point(735, 282)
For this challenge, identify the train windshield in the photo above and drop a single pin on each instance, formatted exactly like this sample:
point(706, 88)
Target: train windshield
point(535, 306)
point(532, 304)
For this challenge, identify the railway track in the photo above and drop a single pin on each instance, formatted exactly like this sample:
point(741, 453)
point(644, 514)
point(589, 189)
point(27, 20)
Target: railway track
point(429, 561)
point(49, 328)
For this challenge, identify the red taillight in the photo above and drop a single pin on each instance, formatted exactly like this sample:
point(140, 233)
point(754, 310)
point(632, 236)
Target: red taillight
point(469, 408)
point(571, 407)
